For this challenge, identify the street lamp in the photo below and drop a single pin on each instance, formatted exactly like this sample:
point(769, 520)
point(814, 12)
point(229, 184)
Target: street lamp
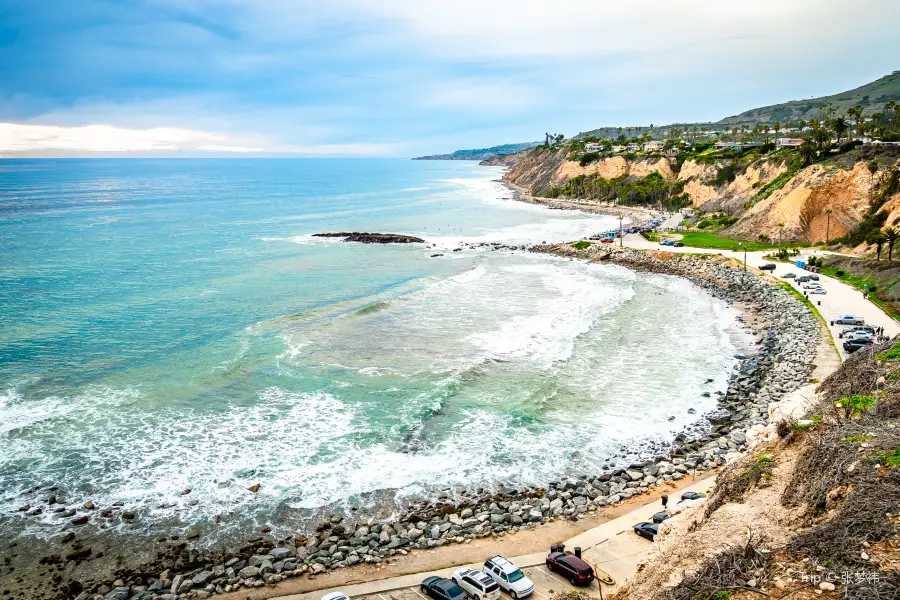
point(621, 240)
point(741, 245)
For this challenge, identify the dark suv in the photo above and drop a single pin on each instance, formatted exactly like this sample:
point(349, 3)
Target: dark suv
point(852, 346)
point(573, 568)
point(767, 267)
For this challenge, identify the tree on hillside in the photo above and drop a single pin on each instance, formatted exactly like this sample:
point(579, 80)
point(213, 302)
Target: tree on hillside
point(840, 127)
point(856, 113)
point(878, 239)
point(780, 227)
point(808, 152)
point(892, 235)
point(766, 130)
point(827, 223)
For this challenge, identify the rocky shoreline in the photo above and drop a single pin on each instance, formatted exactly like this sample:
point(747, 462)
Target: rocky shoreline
point(782, 364)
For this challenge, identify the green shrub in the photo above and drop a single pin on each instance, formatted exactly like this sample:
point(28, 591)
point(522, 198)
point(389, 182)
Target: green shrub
point(839, 273)
point(888, 459)
point(856, 405)
point(581, 245)
point(892, 354)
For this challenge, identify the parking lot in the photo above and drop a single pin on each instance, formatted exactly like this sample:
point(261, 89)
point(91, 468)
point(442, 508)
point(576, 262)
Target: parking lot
point(612, 547)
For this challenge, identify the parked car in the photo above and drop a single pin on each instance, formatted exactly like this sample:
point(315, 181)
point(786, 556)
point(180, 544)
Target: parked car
point(852, 328)
point(859, 335)
point(476, 584)
point(668, 243)
point(767, 267)
point(803, 279)
point(852, 346)
point(335, 596)
point(646, 530)
point(813, 277)
point(818, 290)
point(442, 588)
point(788, 276)
point(810, 286)
point(571, 567)
point(606, 241)
point(678, 244)
point(661, 516)
point(849, 320)
point(509, 577)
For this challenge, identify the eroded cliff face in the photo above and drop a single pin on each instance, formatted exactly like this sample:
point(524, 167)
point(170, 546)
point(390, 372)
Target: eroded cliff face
point(802, 203)
point(700, 179)
point(538, 170)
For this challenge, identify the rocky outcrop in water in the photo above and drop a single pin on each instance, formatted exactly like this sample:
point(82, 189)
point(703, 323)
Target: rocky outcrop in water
point(373, 238)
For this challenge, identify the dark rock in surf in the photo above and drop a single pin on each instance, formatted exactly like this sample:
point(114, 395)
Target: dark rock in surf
point(373, 238)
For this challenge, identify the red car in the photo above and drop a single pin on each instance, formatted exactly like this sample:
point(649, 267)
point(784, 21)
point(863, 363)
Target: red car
point(606, 241)
point(571, 567)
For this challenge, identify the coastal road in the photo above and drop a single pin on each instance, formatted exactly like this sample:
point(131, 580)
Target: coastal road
point(611, 546)
point(841, 299)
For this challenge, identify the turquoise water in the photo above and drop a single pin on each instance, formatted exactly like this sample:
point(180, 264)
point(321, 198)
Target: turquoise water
point(172, 324)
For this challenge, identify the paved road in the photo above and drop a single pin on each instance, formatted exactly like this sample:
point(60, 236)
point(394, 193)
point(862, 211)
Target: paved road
point(612, 546)
point(840, 299)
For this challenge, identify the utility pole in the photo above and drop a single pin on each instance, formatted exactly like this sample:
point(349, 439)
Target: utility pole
point(621, 238)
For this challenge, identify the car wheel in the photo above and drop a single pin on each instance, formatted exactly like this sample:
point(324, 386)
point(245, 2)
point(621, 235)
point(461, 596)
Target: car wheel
point(573, 581)
point(425, 590)
point(513, 595)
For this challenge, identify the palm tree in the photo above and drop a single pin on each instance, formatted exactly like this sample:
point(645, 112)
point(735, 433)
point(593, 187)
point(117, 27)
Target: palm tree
point(780, 227)
point(892, 235)
point(766, 129)
point(827, 223)
point(878, 239)
point(840, 127)
point(856, 112)
point(808, 152)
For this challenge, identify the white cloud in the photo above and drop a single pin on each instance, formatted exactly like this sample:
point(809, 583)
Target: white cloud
point(48, 140)
point(17, 137)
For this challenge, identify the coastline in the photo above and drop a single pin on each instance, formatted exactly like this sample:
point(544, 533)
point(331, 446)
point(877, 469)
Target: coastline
point(638, 215)
point(776, 370)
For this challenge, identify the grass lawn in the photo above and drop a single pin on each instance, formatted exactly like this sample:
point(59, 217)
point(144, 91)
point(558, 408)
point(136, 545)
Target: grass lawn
point(705, 239)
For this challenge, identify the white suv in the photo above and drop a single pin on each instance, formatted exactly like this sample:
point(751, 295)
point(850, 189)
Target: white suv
point(509, 577)
point(476, 584)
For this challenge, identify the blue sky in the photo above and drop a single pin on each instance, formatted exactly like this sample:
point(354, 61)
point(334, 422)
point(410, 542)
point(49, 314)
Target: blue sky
point(402, 78)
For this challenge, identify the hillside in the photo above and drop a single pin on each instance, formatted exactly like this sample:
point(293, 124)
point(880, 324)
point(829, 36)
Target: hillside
point(481, 153)
point(811, 505)
point(757, 195)
point(872, 97)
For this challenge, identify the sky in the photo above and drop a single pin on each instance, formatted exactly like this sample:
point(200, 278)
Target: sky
point(397, 78)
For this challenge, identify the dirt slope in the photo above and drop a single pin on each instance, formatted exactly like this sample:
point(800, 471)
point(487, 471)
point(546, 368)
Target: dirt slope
point(802, 202)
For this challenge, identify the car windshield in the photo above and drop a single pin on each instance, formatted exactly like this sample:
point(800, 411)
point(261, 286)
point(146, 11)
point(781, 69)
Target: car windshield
point(516, 575)
point(454, 591)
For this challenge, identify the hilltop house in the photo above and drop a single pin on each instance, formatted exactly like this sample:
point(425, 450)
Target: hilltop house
point(593, 147)
point(619, 148)
point(632, 147)
point(788, 142)
point(654, 146)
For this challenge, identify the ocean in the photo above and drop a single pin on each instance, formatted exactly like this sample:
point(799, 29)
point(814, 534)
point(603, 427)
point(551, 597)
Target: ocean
point(172, 325)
